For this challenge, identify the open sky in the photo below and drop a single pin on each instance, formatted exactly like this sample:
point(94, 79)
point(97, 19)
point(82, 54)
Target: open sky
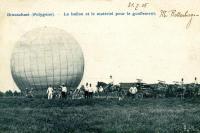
point(127, 47)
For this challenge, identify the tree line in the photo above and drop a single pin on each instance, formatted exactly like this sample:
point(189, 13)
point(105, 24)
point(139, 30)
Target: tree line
point(9, 93)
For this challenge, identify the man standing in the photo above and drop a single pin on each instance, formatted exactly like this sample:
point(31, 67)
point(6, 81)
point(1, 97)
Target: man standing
point(195, 81)
point(86, 89)
point(196, 93)
point(90, 91)
point(110, 83)
point(133, 91)
point(183, 88)
point(50, 92)
point(64, 91)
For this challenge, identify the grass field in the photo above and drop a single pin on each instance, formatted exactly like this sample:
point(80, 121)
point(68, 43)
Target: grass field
point(99, 115)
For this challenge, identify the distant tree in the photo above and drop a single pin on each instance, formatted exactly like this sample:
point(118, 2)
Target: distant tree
point(1, 94)
point(8, 93)
point(16, 93)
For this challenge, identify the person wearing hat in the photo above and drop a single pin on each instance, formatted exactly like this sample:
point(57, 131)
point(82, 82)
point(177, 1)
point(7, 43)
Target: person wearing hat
point(196, 87)
point(63, 91)
point(86, 91)
point(90, 91)
point(133, 91)
point(110, 82)
point(50, 92)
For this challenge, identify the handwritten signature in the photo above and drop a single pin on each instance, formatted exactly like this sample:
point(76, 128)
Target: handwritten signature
point(178, 14)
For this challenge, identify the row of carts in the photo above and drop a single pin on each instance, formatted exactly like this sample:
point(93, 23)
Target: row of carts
point(162, 90)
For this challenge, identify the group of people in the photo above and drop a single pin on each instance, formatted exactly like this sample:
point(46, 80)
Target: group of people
point(62, 94)
point(88, 91)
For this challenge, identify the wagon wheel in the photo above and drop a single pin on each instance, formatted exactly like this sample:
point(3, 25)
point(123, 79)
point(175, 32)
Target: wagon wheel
point(139, 95)
point(122, 94)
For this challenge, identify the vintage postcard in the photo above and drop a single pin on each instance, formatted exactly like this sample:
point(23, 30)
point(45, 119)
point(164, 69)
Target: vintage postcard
point(100, 66)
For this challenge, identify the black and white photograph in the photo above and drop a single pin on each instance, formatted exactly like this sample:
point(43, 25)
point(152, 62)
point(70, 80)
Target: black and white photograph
point(99, 66)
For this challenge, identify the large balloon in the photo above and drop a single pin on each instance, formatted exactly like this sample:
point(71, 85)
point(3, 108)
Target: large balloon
point(47, 56)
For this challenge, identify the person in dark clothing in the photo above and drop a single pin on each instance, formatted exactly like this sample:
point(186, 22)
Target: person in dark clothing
point(86, 89)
